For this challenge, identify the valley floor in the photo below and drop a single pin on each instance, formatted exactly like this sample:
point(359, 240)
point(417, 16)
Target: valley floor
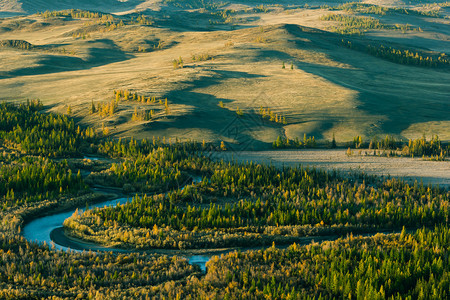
point(409, 169)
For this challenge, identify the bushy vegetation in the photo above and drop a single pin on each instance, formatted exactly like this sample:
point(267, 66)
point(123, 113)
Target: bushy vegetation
point(33, 183)
point(31, 271)
point(365, 8)
point(155, 171)
point(19, 44)
point(359, 24)
point(34, 179)
point(250, 199)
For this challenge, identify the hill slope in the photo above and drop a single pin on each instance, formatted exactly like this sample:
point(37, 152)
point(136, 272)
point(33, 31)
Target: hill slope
point(230, 67)
point(33, 6)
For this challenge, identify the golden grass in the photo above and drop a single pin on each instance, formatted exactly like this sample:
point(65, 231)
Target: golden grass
point(330, 90)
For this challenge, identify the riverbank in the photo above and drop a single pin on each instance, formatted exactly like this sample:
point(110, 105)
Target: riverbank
point(49, 228)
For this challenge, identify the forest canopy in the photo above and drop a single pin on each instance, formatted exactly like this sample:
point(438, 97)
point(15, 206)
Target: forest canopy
point(234, 204)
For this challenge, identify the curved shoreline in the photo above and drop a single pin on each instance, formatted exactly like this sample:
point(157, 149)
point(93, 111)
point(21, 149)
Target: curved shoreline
point(48, 228)
point(61, 238)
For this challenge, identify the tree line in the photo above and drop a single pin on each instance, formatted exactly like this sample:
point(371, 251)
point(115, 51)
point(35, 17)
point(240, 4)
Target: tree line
point(235, 204)
point(433, 149)
point(401, 56)
point(283, 143)
point(401, 266)
point(250, 198)
point(24, 128)
point(372, 9)
point(358, 24)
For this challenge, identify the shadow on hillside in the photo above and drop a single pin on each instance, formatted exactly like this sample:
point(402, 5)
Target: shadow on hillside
point(99, 52)
point(377, 83)
point(391, 96)
point(9, 14)
point(184, 21)
point(109, 6)
point(206, 114)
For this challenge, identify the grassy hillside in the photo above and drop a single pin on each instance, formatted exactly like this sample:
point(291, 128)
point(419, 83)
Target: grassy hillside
point(232, 57)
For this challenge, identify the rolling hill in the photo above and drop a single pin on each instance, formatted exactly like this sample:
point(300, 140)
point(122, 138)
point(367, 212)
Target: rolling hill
point(232, 57)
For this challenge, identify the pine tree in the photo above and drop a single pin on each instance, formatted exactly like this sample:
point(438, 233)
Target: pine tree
point(279, 142)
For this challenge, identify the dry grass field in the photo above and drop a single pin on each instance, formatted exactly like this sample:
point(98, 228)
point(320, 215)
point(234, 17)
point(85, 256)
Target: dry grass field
point(324, 89)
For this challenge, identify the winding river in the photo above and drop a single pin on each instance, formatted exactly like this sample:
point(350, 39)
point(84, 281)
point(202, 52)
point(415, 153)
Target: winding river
point(49, 230)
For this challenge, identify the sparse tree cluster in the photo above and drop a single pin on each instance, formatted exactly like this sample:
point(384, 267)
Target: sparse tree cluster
point(97, 21)
point(126, 95)
point(178, 63)
point(401, 56)
point(142, 115)
point(268, 114)
point(433, 149)
point(359, 25)
point(201, 57)
point(18, 44)
point(106, 109)
point(371, 9)
point(307, 142)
